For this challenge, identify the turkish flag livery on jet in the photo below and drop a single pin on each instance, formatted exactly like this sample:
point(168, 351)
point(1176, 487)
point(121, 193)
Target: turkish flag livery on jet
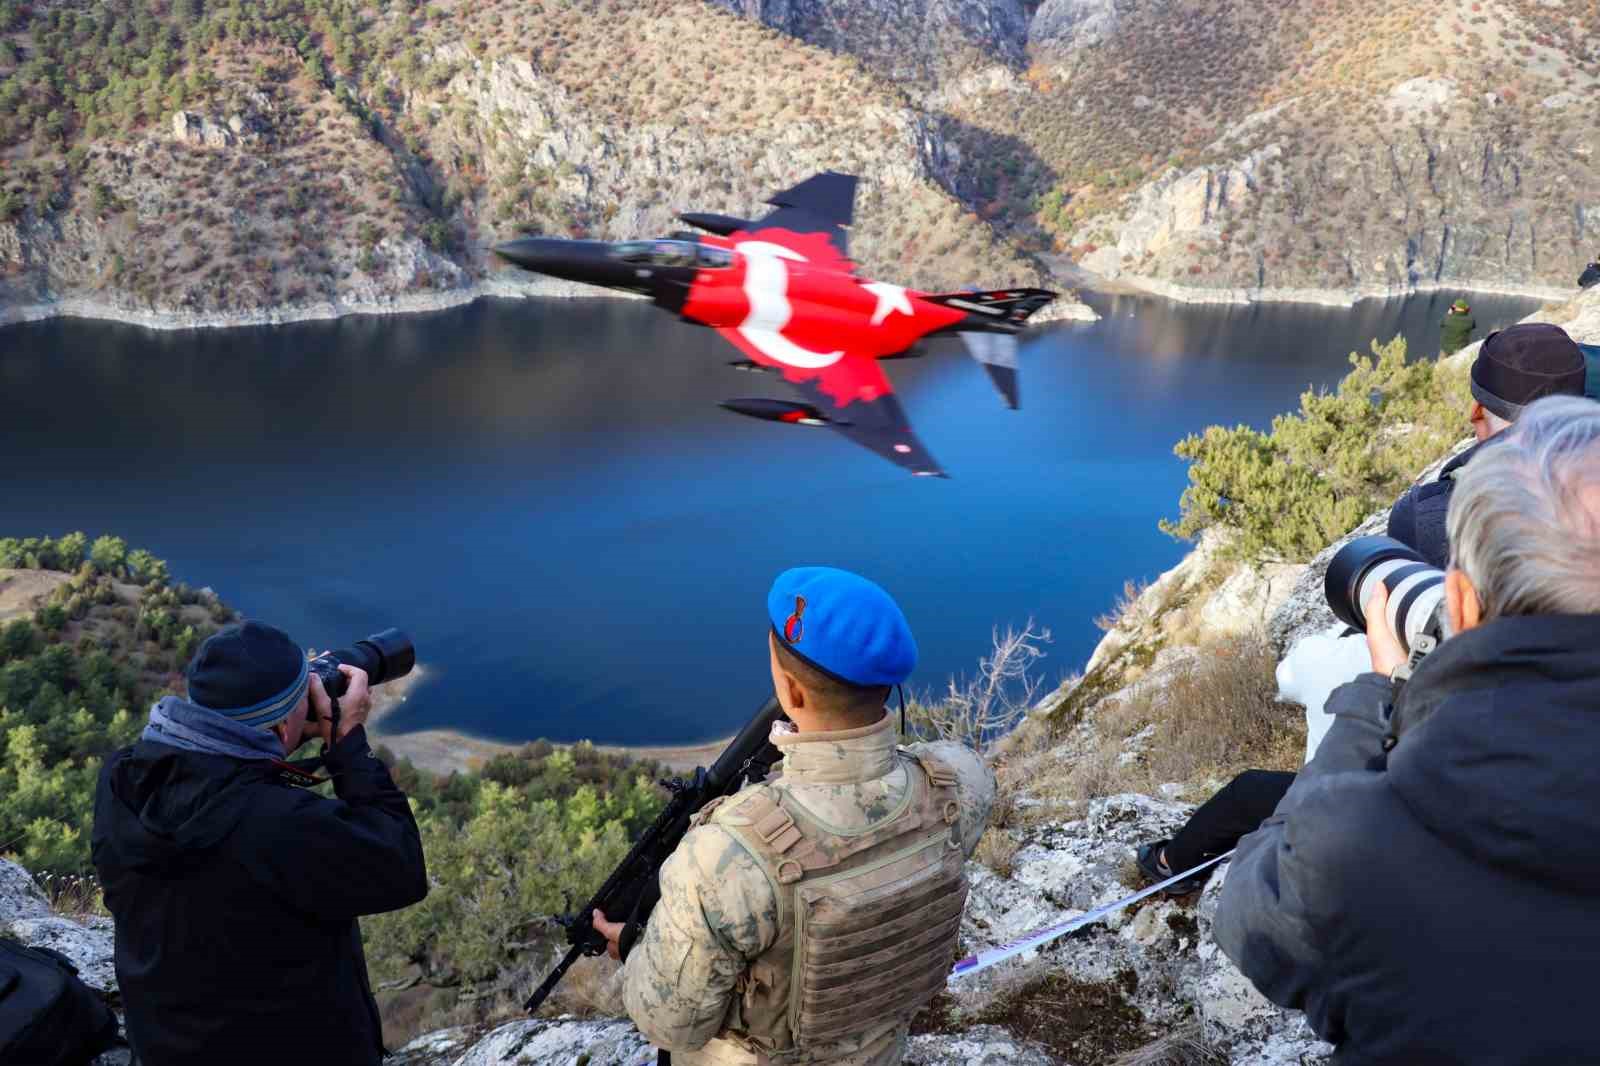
point(784, 292)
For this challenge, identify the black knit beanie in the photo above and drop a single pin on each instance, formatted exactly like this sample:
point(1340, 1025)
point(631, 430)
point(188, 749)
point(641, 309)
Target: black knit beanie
point(251, 673)
point(1518, 365)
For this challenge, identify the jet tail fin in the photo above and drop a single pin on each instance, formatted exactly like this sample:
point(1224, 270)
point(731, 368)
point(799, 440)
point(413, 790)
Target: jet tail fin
point(997, 353)
point(1008, 306)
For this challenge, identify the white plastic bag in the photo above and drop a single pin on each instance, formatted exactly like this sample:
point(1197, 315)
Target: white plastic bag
point(1314, 667)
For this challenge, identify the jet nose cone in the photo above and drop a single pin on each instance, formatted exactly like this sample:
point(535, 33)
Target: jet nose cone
point(536, 253)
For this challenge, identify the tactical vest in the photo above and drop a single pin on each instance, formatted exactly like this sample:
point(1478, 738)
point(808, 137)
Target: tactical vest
point(867, 920)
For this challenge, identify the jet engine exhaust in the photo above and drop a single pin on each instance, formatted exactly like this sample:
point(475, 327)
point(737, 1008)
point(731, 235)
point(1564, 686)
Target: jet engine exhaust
point(784, 411)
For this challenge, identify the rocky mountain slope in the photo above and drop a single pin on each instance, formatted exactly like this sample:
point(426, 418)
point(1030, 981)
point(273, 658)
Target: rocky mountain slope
point(1314, 150)
point(1145, 985)
point(229, 164)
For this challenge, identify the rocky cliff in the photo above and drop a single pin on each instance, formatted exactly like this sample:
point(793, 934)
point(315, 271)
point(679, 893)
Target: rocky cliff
point(374, 162)
point(1146, 982)
point(916, 42)
point(1229, 150)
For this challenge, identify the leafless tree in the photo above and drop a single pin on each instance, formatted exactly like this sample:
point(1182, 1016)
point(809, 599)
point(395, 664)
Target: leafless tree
point(978, 710)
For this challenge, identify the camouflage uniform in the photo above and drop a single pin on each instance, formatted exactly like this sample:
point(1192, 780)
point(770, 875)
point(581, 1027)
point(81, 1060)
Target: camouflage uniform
point(719, 910)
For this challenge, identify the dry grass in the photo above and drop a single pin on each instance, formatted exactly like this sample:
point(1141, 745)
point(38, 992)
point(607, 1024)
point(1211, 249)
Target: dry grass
point(1210, 718)
point(1126, 604)
point(591, 989)
point(75, 896)
point(981, 710)
point(1186, 1047)
point(996, 850)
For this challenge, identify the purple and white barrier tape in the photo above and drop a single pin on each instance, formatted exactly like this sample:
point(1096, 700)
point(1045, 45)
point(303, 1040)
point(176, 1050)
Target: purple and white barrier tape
point(994, 956)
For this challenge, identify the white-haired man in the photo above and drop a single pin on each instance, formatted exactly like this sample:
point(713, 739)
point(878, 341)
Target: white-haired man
point(1427, 891)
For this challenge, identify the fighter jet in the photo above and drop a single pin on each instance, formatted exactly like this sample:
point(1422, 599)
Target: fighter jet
point(783, 291)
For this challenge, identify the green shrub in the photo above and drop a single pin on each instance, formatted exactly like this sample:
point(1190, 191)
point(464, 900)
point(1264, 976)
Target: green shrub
point(1284, 495)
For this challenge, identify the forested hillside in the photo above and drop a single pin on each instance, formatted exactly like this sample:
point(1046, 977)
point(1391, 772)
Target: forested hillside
point(77, 674)
point(91, 634)
point(215, 157)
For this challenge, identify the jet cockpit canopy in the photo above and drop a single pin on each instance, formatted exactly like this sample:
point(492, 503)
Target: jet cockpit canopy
point(671, 253)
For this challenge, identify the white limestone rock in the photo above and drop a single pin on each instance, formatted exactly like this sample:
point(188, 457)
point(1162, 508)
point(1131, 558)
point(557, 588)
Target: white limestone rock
point(560, 1042)
point(1249, 597)
point(1417, 96)
point(982, 1045)
point(90, 945)
point(20, 897)
point(433, 1049)
point(1064, 25)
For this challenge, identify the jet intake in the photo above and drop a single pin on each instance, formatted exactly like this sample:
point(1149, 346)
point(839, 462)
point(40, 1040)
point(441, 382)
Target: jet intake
point(794, 414)
point(721, 225)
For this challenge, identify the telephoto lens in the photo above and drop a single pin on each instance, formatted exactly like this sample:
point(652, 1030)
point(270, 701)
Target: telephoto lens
point(384, 656)
point(1416, 590)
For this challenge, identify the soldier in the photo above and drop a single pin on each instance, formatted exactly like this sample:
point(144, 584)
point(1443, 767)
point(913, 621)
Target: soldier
point(1456, 328)
point(812, 915)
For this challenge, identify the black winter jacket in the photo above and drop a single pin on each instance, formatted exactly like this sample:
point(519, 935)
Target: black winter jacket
point(235, 897)
point(1417, 517)
point(1440, 905)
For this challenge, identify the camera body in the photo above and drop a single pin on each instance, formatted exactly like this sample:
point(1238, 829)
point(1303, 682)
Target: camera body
point(384, 656)
point(1416, 590)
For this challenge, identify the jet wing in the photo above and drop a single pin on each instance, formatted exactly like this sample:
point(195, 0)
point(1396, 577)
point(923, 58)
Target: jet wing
point(822, 204)
point(856, 398)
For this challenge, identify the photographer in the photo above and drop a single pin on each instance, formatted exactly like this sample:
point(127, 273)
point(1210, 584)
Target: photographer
point(236, 893)
point(1427, 890)
point(1514, 367)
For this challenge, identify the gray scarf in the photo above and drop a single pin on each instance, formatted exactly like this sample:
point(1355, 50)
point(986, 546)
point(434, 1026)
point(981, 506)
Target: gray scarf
point(187, 727)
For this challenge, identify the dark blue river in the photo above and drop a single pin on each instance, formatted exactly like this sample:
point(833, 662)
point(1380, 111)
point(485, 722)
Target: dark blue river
point(546, 495)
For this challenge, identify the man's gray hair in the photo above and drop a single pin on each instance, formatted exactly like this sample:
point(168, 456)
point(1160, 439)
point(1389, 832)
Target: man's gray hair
point(1524, 521)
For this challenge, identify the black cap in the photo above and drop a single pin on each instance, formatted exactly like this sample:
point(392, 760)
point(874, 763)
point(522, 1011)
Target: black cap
point(252, 673)
point(1517, 366)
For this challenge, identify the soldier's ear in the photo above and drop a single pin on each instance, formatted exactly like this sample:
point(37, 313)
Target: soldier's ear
point(797, 692)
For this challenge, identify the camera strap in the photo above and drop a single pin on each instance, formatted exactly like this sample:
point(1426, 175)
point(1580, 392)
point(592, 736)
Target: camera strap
point(1427, 640)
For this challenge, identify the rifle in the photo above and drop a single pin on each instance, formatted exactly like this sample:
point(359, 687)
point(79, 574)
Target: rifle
point(633, 888)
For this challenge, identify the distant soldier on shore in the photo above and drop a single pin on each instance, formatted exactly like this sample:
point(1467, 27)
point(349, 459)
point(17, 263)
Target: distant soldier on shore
point(1591, 274)
point(1456, 328)
point(808, 918)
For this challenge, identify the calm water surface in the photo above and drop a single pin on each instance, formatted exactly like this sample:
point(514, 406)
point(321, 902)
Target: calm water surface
point(545, 494)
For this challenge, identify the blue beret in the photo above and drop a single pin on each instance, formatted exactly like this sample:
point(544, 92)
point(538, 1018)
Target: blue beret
point(842, 624)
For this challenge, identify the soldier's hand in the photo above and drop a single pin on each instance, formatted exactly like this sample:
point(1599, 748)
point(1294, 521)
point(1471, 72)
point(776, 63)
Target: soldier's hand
point(610, 930)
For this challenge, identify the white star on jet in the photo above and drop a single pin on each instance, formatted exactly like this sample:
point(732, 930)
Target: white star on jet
point(890, 298)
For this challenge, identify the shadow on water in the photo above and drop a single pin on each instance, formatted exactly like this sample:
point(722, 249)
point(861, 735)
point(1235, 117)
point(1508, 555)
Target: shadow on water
point(546, 495)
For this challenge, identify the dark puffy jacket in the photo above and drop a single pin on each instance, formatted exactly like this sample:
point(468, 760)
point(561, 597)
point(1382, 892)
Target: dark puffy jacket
point(1590, 276)
point(1417, 517)
point(1443, 905)
point(1591, 371)
point(235, 897)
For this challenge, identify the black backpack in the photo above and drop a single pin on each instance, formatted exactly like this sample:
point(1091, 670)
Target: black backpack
point(47, 1016)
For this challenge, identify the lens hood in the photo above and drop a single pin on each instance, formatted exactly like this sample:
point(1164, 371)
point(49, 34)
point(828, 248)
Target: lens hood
point(1351, 563)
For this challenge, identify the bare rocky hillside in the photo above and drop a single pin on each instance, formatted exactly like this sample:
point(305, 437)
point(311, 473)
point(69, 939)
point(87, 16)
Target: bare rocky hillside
point(187, 162)
point(230, 162)
point(1328, 149)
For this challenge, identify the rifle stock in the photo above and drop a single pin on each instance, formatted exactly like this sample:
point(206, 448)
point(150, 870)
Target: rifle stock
point(631, 891)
